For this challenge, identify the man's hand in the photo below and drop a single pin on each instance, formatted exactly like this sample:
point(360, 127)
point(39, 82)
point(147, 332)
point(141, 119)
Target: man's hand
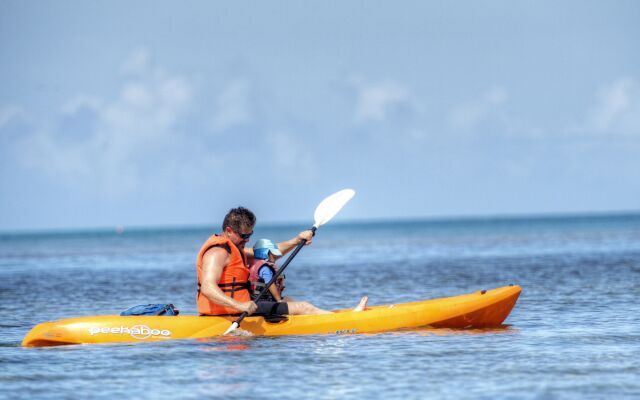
point(248, 306)
point(306, 235)
point(289, 245)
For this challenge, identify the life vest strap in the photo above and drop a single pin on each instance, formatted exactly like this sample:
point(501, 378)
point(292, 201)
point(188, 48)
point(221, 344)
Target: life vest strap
point(234, 283)
point(232, 287)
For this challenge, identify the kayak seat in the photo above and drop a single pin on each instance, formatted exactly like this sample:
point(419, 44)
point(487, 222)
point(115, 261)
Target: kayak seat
point(275, 319)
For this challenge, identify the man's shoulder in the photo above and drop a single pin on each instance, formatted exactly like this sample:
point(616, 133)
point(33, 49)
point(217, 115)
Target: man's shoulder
point(218, 250)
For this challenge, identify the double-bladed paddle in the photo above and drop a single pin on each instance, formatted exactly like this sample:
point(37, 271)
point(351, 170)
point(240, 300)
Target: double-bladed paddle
point(326, 210)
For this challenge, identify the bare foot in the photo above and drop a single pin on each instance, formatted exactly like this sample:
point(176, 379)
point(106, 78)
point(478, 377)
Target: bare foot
point(362, 305)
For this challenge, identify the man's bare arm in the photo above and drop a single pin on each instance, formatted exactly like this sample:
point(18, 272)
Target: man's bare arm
point(290, 244)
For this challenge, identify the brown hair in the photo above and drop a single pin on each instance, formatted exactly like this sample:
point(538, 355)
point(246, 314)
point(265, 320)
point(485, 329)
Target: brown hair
point(239, 217)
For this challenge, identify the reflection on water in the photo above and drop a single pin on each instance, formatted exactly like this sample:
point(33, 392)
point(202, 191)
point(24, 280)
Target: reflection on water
point(496, 330)
point(224, 343)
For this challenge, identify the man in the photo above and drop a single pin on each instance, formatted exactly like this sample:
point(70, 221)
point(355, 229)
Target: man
point(223, 273)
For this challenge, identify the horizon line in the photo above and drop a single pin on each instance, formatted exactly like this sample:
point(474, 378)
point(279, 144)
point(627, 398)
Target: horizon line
point(119, 228)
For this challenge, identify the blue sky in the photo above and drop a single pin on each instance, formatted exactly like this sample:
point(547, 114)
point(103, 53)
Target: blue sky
point(169, 113)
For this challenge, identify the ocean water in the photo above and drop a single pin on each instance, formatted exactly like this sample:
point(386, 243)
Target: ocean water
point(574, 333)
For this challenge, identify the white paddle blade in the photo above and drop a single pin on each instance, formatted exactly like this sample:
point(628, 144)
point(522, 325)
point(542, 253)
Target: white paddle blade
point(330, 206)
point(232, 328)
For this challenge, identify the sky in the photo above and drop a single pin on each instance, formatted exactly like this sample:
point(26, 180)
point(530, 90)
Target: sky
point(164, 113)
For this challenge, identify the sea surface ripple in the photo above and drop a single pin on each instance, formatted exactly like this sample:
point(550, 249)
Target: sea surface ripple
point(574, 333)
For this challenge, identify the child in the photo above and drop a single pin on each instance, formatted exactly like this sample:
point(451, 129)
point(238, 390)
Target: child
point(263, 269)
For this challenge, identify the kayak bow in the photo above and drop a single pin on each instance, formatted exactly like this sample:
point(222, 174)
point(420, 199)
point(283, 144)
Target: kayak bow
point(487, 308)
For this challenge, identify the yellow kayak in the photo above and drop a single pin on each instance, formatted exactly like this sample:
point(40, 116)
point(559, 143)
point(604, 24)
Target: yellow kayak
point(480, 309)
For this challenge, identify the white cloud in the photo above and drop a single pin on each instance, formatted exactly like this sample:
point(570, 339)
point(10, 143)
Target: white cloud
point(290, 157)
point(375, 101)
point(128, 134)
point(470, 114)
point(232, 106)
point(617, 108)
point(616, 111)
point(8, 113)
point(80, 102)
point(138, 62)
point(417, 134)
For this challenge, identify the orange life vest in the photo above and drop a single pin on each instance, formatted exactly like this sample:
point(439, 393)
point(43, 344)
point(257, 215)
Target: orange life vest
point(234, 281)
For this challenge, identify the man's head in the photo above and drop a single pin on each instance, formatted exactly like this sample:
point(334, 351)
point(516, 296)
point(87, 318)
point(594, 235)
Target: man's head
point(238, 225)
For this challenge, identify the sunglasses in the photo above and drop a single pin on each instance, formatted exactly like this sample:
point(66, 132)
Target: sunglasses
point(245, 235)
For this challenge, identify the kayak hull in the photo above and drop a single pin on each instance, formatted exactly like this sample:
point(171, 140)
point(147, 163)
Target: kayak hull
point(475, 310)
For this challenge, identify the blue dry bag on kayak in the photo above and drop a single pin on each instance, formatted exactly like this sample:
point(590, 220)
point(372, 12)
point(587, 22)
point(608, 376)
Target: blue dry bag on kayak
point(151, 309)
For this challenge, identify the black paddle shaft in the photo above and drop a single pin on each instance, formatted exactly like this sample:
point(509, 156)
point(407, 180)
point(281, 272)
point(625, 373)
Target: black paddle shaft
point(277, 274)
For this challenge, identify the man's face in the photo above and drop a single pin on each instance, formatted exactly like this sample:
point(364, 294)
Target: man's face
point(241, 236)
